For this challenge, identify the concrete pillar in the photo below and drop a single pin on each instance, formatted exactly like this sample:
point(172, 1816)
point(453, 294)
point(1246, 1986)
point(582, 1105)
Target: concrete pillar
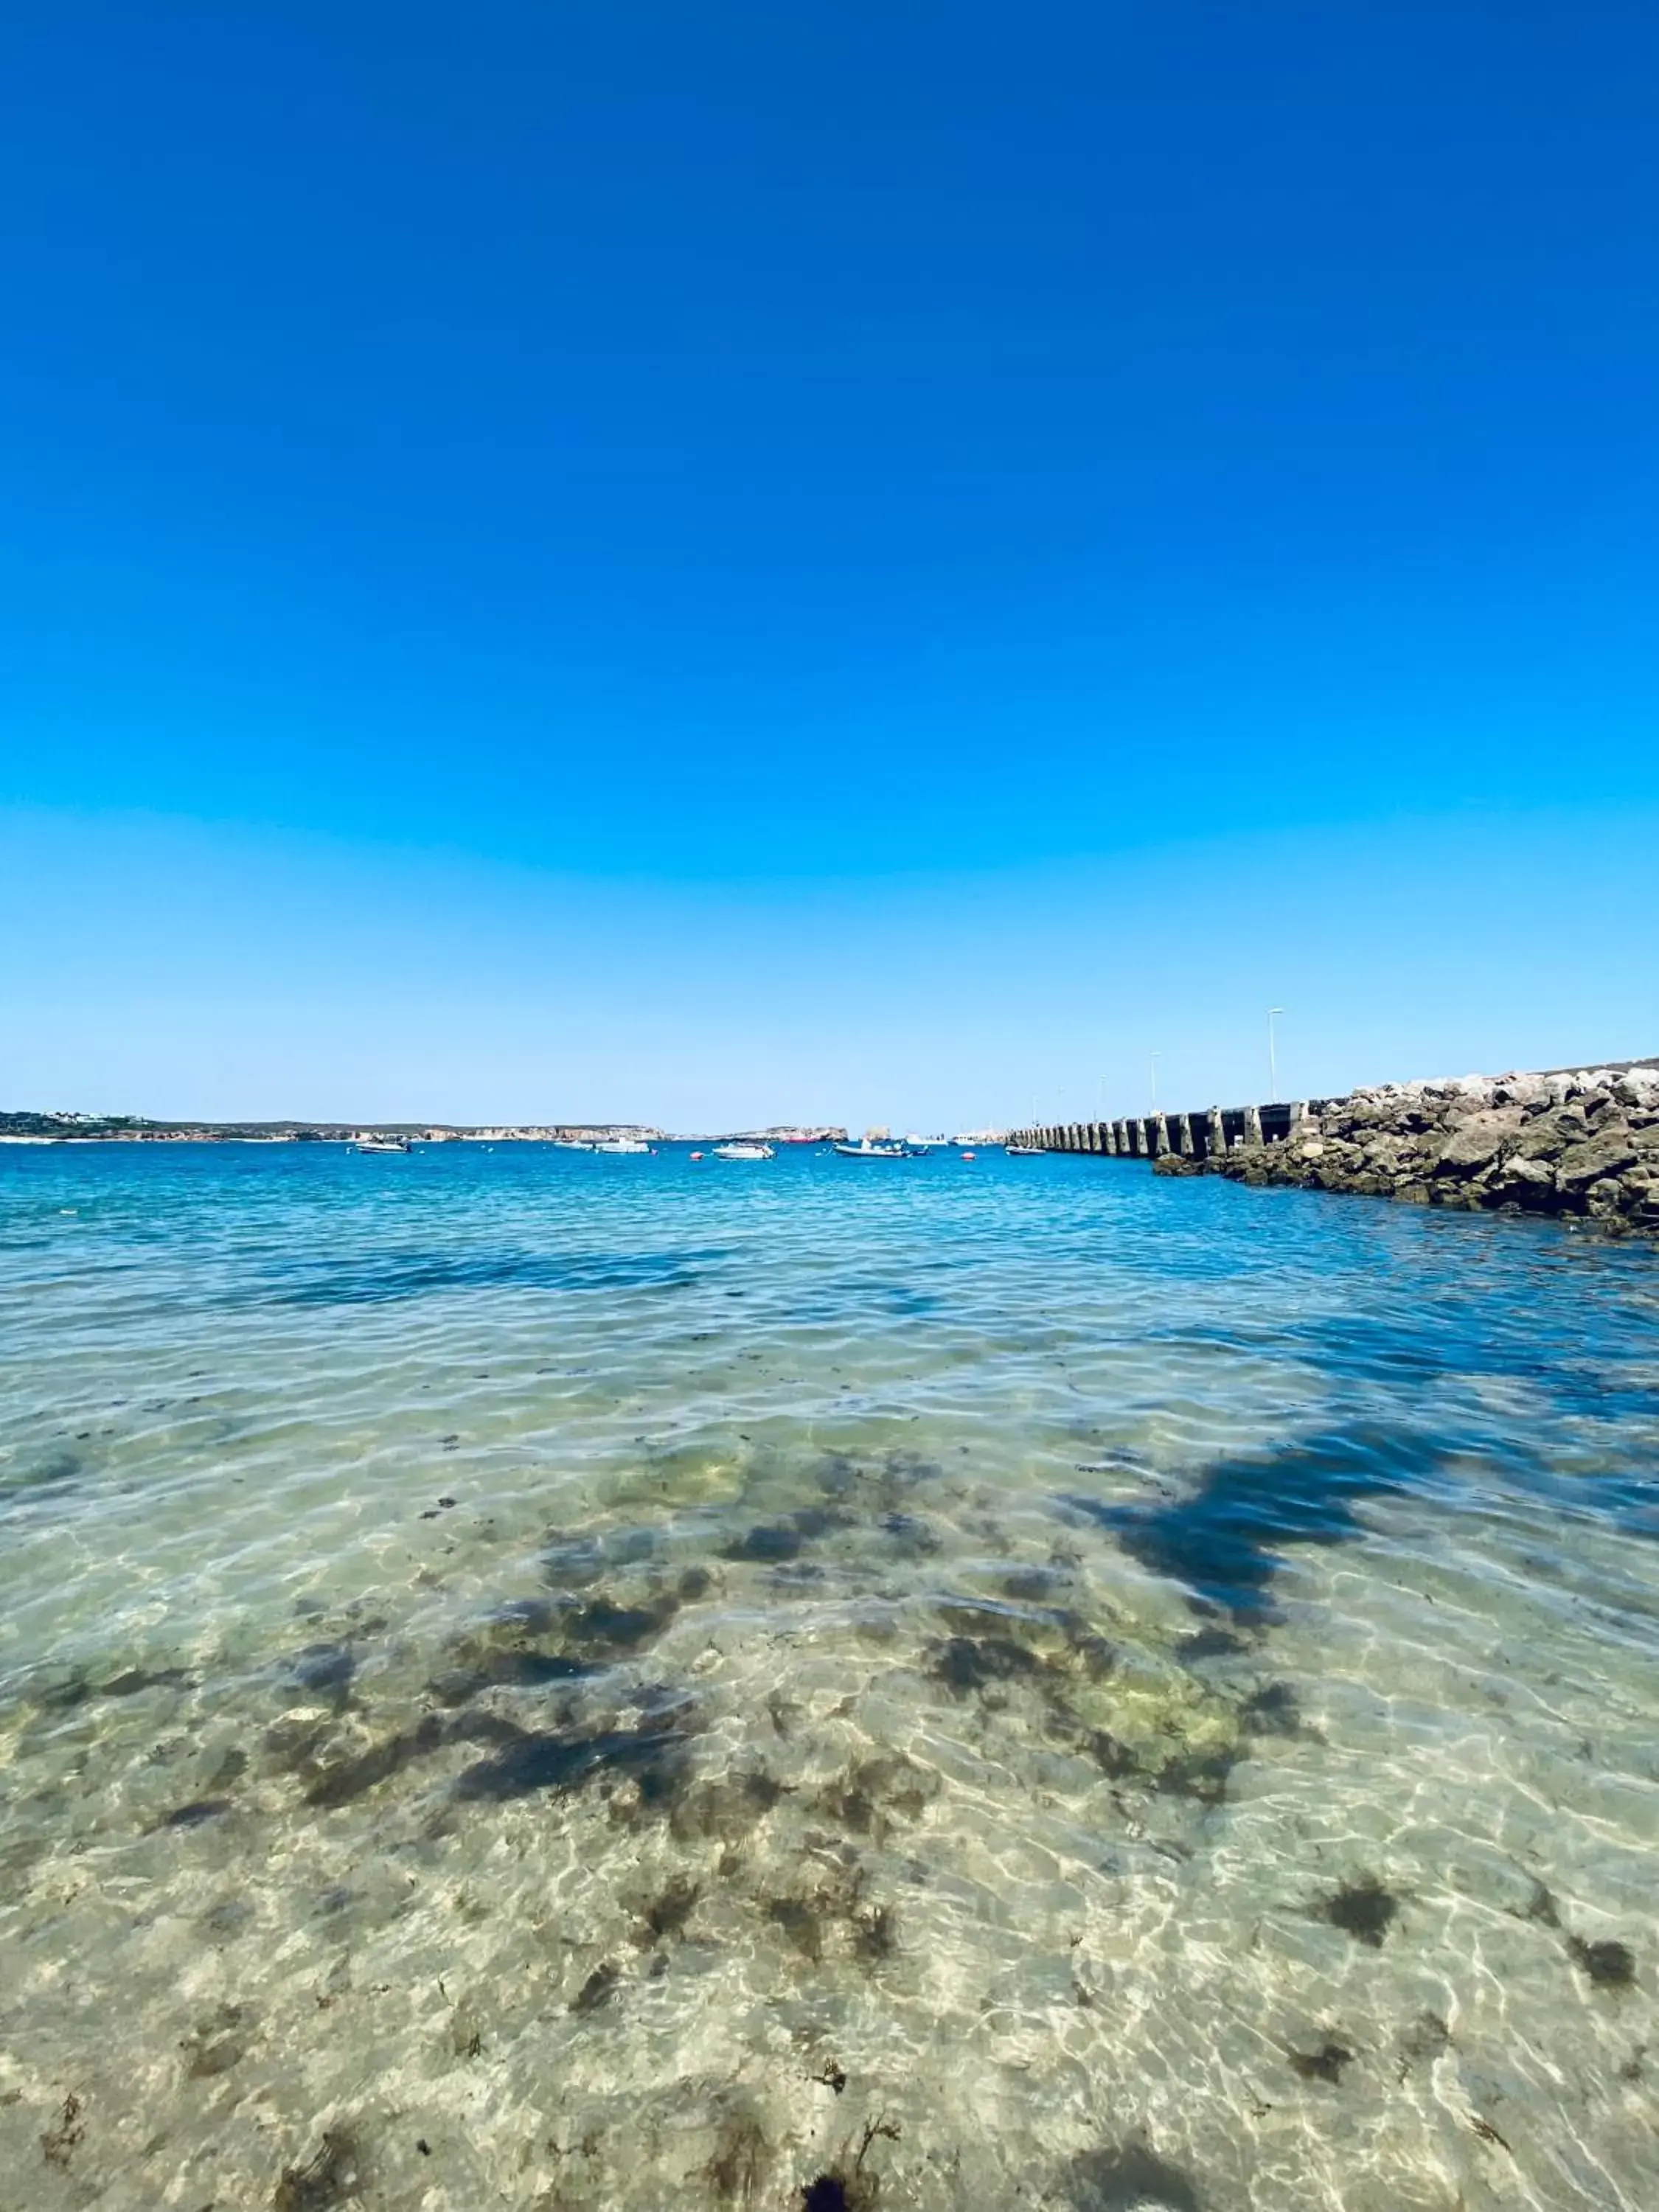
point(1253, 1125)
point(1138, 1139)
point(1218, 1134)
point(1183, 1135)
point(1109, 1140)
point(1160, 1136)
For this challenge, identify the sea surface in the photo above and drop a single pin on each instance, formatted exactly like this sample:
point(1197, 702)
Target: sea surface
point(533, 1679)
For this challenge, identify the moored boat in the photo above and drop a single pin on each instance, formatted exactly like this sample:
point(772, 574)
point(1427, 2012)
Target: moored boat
point(744, 1150)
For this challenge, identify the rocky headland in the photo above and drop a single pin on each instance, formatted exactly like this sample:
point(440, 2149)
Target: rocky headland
point(1583, 1144)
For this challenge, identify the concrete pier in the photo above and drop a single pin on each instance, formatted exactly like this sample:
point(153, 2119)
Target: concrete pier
point(1191, 1136)
point(1574, 1142)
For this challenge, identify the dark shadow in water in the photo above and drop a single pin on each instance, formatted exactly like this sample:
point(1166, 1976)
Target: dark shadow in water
point(57, 1471)
point(864, 1296)
point(557, 1759)
point(1225, 1539)
point(380, 1281)
point(1126, 2176)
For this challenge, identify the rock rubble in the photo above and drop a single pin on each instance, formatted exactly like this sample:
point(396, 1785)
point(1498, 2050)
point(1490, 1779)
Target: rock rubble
point(1583, 1144)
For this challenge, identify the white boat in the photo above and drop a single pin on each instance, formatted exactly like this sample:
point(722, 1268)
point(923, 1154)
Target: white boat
point(925, 1144)
point(868, 1150)
point(572, 1144)
point(622, 1145)
point(1023, 1151)
point(363, 1142)
point(744, 1151)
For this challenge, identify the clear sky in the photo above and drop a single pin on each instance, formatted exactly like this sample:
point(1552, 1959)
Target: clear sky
point(867, 562)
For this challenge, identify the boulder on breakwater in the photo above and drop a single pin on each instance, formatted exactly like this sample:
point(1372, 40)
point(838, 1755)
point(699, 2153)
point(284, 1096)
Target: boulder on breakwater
point(1583, 1144)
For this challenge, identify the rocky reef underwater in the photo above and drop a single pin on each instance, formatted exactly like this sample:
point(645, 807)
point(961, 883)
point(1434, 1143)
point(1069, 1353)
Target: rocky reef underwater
point(879, 1843)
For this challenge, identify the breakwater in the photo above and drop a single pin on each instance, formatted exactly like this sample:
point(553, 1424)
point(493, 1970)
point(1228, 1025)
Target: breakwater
point(1582, 1143)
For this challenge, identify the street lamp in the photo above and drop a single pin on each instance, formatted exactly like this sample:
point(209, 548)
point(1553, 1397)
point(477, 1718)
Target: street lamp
point(1273, 1056)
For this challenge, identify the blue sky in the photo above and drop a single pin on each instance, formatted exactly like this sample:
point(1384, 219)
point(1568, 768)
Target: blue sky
point(865, 561)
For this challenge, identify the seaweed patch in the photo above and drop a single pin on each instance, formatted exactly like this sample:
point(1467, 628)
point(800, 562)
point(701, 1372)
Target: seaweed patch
point(597, 1989)
point(602, 1627)
point(836, 1914)
point(1325, 2064)
point(667, 1914)
point(1610, 1966)
point(564, 1760)
point(1363, 1909)
point(1271, 1710)
point(197, 1813)
point(323, 1666)
point(65, 2133)
point(741, 2164)
point(727, 1811)
point(875, 1792)
point(966, 1663)
point(219, 2043)
point(327, 2178)
point(848, 2188)
point(132, 1680)
point(332, 1786)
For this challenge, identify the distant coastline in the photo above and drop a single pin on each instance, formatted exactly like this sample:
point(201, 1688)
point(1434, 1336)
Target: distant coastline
point(28, 1126)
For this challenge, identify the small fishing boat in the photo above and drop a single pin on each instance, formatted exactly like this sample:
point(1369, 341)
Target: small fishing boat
point(1023, 1151)
point(622, 1145)
point(872, 1148)
point(364, 1142)
point(741, 1151)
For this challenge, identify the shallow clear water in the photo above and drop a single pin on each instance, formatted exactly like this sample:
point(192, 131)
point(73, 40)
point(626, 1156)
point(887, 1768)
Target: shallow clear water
point(533, 1679)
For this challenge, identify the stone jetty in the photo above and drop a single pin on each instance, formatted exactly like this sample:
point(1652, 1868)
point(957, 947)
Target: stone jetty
point(1582, 1143)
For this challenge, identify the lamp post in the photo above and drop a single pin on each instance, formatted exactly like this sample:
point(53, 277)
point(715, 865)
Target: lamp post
point(1273, 1056)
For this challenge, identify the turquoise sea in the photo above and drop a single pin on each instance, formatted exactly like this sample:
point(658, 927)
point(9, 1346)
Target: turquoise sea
point(533, 1679)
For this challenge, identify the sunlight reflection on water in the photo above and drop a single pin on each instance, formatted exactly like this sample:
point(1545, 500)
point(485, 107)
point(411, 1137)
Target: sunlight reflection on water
point(548, 1681)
